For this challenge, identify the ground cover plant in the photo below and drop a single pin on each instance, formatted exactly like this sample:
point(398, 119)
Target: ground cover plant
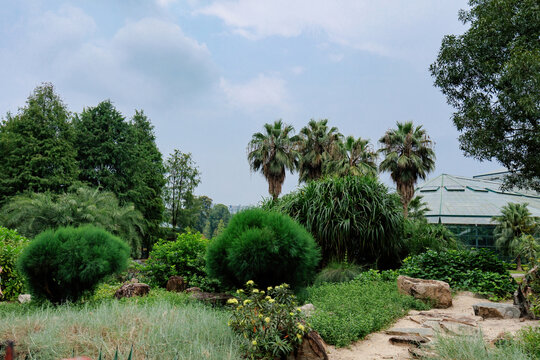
point(162, 326)
point(62, 265)
point(269, 321)
point(266, 247)
point(11, 246)
point(346, 312)
point(479, 271)
point(352, 215)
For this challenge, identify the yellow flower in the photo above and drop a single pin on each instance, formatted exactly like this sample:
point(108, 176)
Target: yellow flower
point(250, 282)
point(301, 327)
point(260, 315)
point(271, 300)
point(267, 319)
point(299, 336)
point(291, 313)
point(255, 291)
point(247, 301)
point(262, 292)
point(229, 322)
point(232, 301)
point(239, 291)
point(269, 288)
point(267, 297)
point(298, 309)
point(254, 342)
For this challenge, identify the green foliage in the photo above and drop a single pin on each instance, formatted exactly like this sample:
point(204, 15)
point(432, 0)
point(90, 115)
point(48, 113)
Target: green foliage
point(182, 177)
point(479, 271)
point(529, 340)
point(266, 247)
point(408, 156)
point(184, 257)
point(32, 214)
point(351, 215)
point(376, 275)
point(272, 153)
point(337, 272)
point(11, 246)
point(352, 157)
point(36, 146)
point(218, 218)
point(349, 311)
point(269, 321)
point(420, 236)
point(491, 75)
point(61, 265)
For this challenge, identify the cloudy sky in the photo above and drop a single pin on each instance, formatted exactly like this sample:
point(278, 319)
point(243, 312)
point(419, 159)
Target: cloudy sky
point(209, 74)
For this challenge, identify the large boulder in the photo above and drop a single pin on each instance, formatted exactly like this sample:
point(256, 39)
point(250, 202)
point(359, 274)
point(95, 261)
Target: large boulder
point(132, 289)
point(312, 347)
point(496, 311)
point(24, 298)
point(434, 291)
point(176, 284)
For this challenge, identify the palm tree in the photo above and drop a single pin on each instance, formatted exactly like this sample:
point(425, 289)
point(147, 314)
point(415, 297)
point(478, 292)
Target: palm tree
point(408, 155)
point(316, 143)
point(417, 208)
point(515, 220)
point(273, 152)
point(353, 157)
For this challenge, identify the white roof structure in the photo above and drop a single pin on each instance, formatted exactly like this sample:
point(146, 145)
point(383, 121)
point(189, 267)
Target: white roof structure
point(461, 200)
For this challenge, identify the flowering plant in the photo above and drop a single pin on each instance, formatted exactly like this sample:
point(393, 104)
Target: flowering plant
point(269, 321)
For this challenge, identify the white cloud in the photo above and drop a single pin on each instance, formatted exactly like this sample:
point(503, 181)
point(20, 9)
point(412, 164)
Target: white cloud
point(260, 92)
point(385, 27)
point(165, 3)
point(336, 57)
point(298, 70)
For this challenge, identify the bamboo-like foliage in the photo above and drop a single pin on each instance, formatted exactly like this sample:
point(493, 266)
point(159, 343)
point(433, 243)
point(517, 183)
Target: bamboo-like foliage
point(353, 216)
point(408, 156)
point(33, 213)
point(273, 153)
point(354, 157)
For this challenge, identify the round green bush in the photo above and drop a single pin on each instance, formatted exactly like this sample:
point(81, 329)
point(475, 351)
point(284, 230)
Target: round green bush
point(352, 217)
point(61, 265)
point(11, 246)
point(266, 247)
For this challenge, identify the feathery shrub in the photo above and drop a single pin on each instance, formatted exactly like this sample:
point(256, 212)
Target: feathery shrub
point(61, 265)
point(266, 247)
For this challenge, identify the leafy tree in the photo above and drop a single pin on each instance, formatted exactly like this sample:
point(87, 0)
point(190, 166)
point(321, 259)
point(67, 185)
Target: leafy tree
point(529, 248)
point(34, 213)
point(219, 214)
point(103, 148)
point(491, 76)
point(204, 206)
point(316, 144)
point(353, 157)
point(36, 149)
point(515, 220)
point(273, 152)
point(408, 155)
point(182, 178)
point(146, 175)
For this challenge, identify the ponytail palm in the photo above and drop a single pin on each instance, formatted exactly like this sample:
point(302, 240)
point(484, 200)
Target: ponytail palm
point(408, 156)
point(272, 152)
point(353, 157)
point(316, 143)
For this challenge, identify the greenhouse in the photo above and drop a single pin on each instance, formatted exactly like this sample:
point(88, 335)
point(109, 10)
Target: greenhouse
point(467, 205)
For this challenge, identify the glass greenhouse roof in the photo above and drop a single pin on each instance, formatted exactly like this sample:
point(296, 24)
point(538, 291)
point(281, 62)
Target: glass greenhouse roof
point(461, 200)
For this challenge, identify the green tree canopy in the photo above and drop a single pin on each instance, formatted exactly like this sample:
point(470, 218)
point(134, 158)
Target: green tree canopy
point(36, 149)
point(408, 156)
point(218, 214)
point(491, 76)
point(273, 153)
point(352, 157)
point(316, 143)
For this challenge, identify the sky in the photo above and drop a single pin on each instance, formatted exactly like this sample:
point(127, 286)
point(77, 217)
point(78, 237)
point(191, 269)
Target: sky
point(210, 74)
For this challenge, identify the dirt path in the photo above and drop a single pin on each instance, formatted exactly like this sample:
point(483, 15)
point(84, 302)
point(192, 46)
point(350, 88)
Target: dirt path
point(377, 346)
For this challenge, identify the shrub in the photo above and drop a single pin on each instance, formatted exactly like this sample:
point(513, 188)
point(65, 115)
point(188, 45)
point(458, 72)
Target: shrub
point(11, 246)
point(474, 270)
point(270, 322)
point(61, 265)
point(350, 215)
point(529, 340)
point(349, 311)
point(266, 247)
point(337, 272)
point(420, 236)
point(184, 257)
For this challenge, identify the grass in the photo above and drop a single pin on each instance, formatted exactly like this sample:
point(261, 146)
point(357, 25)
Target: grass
point(524, 346)
point(158, 327)
point(349, 311)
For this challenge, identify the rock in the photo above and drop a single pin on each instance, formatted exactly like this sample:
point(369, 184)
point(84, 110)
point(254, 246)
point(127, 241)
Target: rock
point(24, 298)
point(313, 347)
point(496, 311)
point(307, 309)
point(130, 289)
point(410, 331)
point(437, 292)
point(193, 289)
point(212, 298)
point(176, 284)
point(415, 340)
point(457, 328)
